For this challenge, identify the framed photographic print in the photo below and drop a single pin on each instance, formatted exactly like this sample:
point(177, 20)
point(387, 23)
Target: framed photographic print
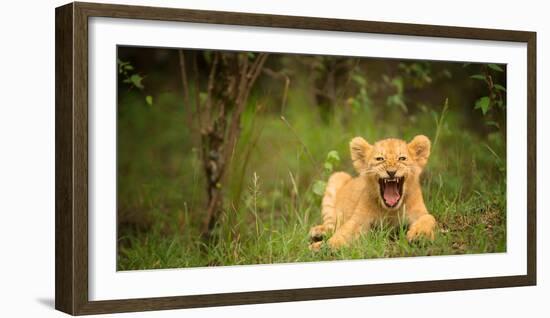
point(220, 158)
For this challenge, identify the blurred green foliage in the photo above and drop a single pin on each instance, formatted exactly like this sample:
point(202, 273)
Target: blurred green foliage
point(133, 80)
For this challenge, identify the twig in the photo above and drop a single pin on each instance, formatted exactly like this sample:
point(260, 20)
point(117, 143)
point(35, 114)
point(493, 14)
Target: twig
point(186, 94)
point(286, 78)
point(245, 86)
point(217, 140)
point(184, 80)
point(197, 92)
point(210, 88)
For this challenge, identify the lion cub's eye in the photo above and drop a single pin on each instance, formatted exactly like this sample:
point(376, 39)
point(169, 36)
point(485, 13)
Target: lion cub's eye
point(402, 158)
point(379, 158)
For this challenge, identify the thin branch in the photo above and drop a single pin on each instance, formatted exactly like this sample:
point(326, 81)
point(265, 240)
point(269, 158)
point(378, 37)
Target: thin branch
point(254, 66)
point(239, 106)
point(255, 72)
point(218, 140)
point(184, 77)
point(242, 84)
point(185, 82)
point(286, 78)
point(285, 94)
point(245, 87)
point(197, 92)
point(210, 89)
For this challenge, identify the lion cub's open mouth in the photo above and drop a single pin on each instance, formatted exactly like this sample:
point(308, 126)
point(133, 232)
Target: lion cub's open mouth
point(391, 190)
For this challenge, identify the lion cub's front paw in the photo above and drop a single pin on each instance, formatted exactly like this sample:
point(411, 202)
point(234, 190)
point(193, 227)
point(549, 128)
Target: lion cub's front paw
point(336, 242)
point(316, 246)
point(333, 243)
point(423, 227)
point(317, 233)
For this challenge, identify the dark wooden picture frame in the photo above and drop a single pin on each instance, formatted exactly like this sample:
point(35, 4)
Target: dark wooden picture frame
point(71, 89)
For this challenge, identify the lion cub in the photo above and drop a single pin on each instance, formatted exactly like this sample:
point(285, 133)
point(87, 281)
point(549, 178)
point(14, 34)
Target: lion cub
point(387, 188)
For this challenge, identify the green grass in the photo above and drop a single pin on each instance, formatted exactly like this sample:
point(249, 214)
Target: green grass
point(269, 202)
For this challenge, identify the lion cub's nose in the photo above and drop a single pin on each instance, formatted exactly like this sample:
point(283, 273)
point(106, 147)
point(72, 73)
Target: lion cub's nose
point(391, 173)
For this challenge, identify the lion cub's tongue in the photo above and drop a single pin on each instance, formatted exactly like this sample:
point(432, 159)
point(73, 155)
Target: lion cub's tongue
point(391, 193)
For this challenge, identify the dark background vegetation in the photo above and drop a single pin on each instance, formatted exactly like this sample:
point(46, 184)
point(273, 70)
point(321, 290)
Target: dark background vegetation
point(294, 131)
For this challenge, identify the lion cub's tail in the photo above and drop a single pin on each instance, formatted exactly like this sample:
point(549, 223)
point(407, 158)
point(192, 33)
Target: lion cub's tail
point(328, 210)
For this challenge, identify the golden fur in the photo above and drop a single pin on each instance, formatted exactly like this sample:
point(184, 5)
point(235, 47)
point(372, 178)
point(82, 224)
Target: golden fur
point(351, 205)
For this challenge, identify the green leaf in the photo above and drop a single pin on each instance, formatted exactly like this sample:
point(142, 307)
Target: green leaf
point(495, 67)
point(478, 77)
point(319, 187)
point(398, 83)
point(128, 67)
point(359, 79)
point(149, 100)
point(202, 97)
point(136, 80)
point(500, 87)
point(328, 167)
point(356, 104)
point(396, 100)
point(333, 156)
point(483, 103)
point(492, 123)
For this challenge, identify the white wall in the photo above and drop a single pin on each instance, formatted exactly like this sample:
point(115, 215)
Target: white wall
point(27, 157)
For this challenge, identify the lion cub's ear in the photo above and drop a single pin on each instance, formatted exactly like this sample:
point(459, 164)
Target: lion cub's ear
point(359, 149)
point(419, 148)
